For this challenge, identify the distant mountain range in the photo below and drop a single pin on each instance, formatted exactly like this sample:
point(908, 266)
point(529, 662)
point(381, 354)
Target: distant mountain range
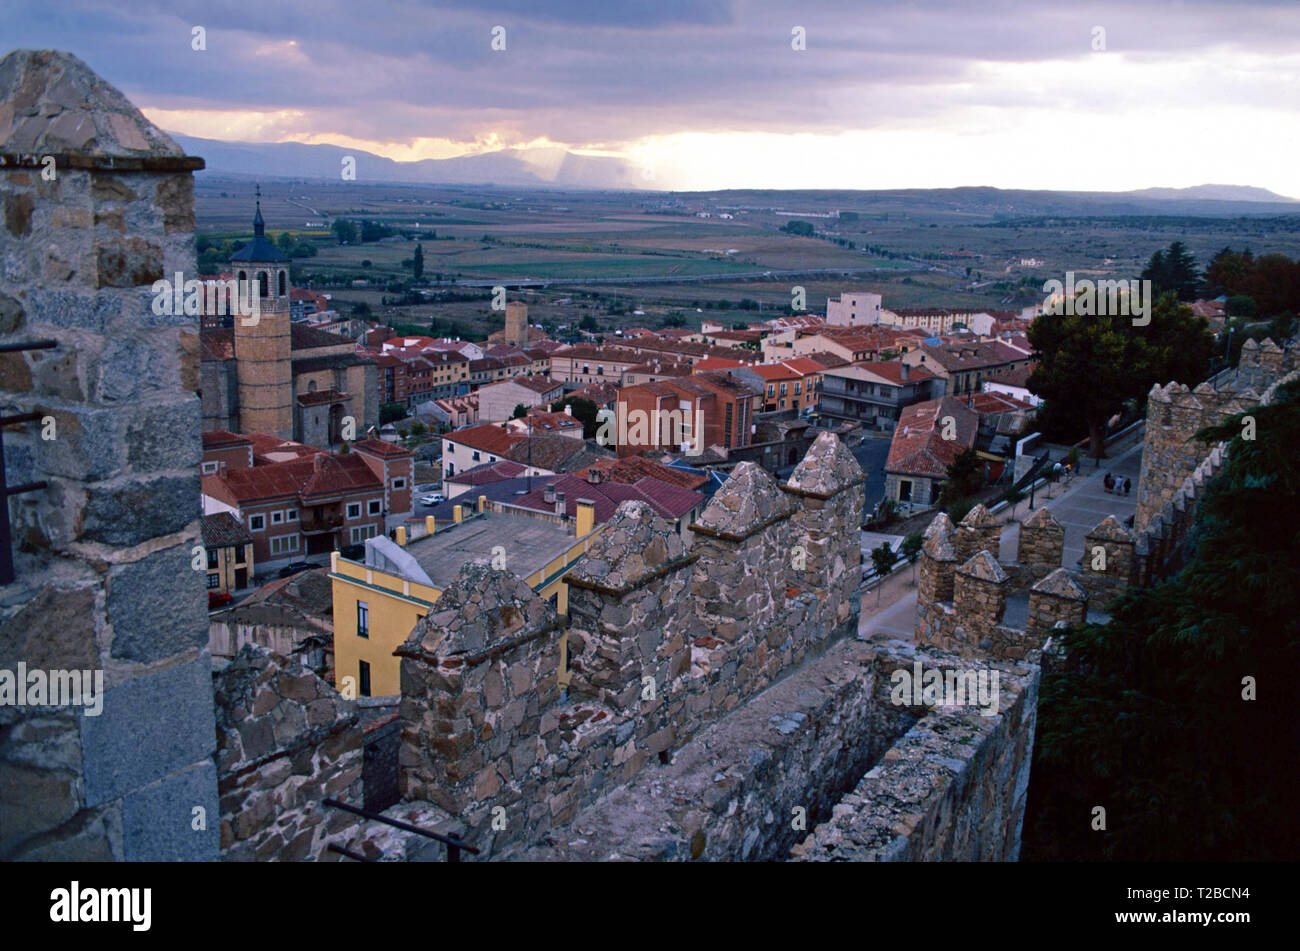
point(517, 167)
point(558, 168)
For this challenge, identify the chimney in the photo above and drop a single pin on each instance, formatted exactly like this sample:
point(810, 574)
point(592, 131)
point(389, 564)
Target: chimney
point(568, 409)
point(593, 476)
point(906, 371)
point(549, 494)
point(559, 504)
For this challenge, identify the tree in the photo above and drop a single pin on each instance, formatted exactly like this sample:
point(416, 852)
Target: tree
point(344, 230)
point(520, 411)
point(1240, 305)
point(285, 241)
point(1174, 270)
point(1154, 713)
point(391, 413)
point(912, 550)
point(584, 410)
point(418, 262)
point(588, 323)
point(965, 477)
point(675, 318)
point(883, 558)
point(803, 229)
point(1089, 365)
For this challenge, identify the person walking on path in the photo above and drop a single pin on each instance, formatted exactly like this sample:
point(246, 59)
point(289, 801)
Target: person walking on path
point(1108, 481)
point(1128, 484)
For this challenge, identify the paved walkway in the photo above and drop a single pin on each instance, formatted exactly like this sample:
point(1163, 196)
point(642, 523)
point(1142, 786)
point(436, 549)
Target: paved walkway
point(1078, 505)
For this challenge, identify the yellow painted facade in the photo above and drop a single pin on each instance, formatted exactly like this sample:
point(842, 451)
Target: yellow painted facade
point(390, 605)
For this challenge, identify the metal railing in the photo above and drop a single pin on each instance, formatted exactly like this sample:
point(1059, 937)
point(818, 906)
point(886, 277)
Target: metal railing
point(453, 844)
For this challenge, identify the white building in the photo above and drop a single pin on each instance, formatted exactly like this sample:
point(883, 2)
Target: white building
point(858, 309)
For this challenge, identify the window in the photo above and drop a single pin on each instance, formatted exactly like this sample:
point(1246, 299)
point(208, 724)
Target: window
point(291, 515)
point(796, 388)
point(284, 544)
point(771, 390)
point(354, 510)
point(277, 517)
point(783, 389)
point(373, 507)
point(399, 484)
point(361, 533)
point(209, 468)
point(256, 523)
point(212, 558)
point(363, 619)
point(451, 469)
point(364, 689)
point(214, 581)
point(904, 490)
point(283, 281)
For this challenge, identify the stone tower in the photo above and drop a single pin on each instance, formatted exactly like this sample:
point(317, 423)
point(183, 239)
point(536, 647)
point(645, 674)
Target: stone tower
point(98, 205)
point(263, 359)
point(517, 324)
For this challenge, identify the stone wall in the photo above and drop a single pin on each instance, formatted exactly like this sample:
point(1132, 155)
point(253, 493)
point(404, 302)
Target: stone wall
point(953, 788)
point(1174, 413)
point(664, 640)
point(286, 740)
point(97, 205)
point(750, 786)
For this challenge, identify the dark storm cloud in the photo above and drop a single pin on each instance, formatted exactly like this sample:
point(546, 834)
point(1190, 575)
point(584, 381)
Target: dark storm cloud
point(607, 72)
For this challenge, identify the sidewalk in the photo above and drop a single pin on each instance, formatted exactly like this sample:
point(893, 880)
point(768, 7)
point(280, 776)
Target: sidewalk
point(1078, 506)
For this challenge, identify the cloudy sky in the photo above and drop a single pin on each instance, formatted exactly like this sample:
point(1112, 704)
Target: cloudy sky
point(1062, 94)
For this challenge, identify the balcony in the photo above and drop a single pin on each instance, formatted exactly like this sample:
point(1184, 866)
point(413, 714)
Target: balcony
point(328, 522)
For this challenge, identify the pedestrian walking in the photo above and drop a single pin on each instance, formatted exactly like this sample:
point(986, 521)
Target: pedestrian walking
point(1108, 482)
point(1128, 484)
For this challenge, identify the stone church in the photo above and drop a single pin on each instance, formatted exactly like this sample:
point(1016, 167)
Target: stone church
point(277, 376)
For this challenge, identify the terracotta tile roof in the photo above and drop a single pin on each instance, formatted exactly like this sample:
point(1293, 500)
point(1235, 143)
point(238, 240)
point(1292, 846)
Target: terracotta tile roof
point(717, 363)
point(1017, 377)
point(992, 403)
point(957, 357)
point(302, 337)
point(322, 396)
point(660, 369)
point(892, 370)
point(720, 380)
point(545, 421)
point(487, 437)
point(223, 530)
point(555, 453)
point(216, 343)
point(379, 447)
point(805, 365)
point(602, 394)
point(632, 469)
point(538, 384)
point(271, 449)
point(312, 479)
point(669, 501)
point(918, 446)
point(828, 360)
point(223, 439)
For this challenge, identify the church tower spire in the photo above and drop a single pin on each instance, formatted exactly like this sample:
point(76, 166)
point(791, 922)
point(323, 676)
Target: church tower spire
point(259, 226)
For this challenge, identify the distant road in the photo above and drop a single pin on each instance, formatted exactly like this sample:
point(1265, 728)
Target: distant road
point(692, 279)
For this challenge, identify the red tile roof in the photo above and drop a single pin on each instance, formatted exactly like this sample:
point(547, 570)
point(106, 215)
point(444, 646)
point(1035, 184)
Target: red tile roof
point(668, 501)
point(322, 396)
point(632, 469)
point(379, 447)
point(918, 446)
point(486, 437)
point(223, 439)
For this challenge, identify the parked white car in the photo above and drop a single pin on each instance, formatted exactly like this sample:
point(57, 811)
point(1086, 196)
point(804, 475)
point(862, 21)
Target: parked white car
point(433, 499)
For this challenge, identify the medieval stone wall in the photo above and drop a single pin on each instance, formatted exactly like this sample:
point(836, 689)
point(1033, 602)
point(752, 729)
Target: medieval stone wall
point(286, 740)
point(664, 640)
point(953, 788)
point(97, 205)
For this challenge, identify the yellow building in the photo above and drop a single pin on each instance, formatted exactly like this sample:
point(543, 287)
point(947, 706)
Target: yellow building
point(378, 600)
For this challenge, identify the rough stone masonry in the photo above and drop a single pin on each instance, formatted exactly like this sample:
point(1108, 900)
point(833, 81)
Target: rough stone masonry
point(97, 204)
